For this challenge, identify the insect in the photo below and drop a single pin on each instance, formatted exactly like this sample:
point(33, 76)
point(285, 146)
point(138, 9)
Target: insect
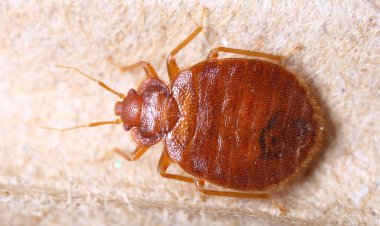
point(239, 123)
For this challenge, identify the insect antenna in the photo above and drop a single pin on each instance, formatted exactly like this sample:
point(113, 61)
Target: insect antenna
point(93, 124)
point(120, 95)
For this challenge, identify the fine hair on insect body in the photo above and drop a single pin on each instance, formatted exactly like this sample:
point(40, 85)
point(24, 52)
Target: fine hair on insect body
point(243, 124)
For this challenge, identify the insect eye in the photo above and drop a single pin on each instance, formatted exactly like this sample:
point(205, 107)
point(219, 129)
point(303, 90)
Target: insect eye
point(118, 108)
point(126, 127)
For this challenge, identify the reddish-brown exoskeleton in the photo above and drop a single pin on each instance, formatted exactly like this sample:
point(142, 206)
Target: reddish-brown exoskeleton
point(242, 124)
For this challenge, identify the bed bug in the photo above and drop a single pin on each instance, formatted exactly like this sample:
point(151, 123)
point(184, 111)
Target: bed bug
point(245, 124)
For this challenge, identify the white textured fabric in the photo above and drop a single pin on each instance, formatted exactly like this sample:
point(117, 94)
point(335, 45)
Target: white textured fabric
point(47, 178)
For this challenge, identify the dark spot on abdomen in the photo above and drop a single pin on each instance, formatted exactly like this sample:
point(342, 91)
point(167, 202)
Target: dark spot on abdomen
point(269, 141)
point(280, 138)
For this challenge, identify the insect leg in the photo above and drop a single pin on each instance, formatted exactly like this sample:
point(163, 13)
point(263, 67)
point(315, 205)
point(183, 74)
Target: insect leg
point(173, 68)
point(200, 184)
point(214, 53)
point(148, 68)
point(163, 166)
point(135, 155)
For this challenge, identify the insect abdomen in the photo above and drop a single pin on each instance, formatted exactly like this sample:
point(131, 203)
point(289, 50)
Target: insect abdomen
point(246, 125)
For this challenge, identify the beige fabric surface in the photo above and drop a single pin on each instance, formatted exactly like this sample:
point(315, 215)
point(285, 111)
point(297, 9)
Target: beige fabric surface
point(48, 178)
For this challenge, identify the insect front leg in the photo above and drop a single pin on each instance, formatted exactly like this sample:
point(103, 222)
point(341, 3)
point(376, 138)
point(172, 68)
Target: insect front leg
point(135, 155)
point(173, 68)
point(148, 68)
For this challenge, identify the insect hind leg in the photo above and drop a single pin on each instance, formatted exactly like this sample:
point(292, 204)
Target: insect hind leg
point(200, 184)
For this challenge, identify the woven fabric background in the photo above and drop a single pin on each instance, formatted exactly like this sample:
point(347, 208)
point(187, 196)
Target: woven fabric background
point(50, 178)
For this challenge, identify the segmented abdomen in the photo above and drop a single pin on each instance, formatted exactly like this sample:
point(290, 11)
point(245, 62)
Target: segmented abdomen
point(246, 124)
